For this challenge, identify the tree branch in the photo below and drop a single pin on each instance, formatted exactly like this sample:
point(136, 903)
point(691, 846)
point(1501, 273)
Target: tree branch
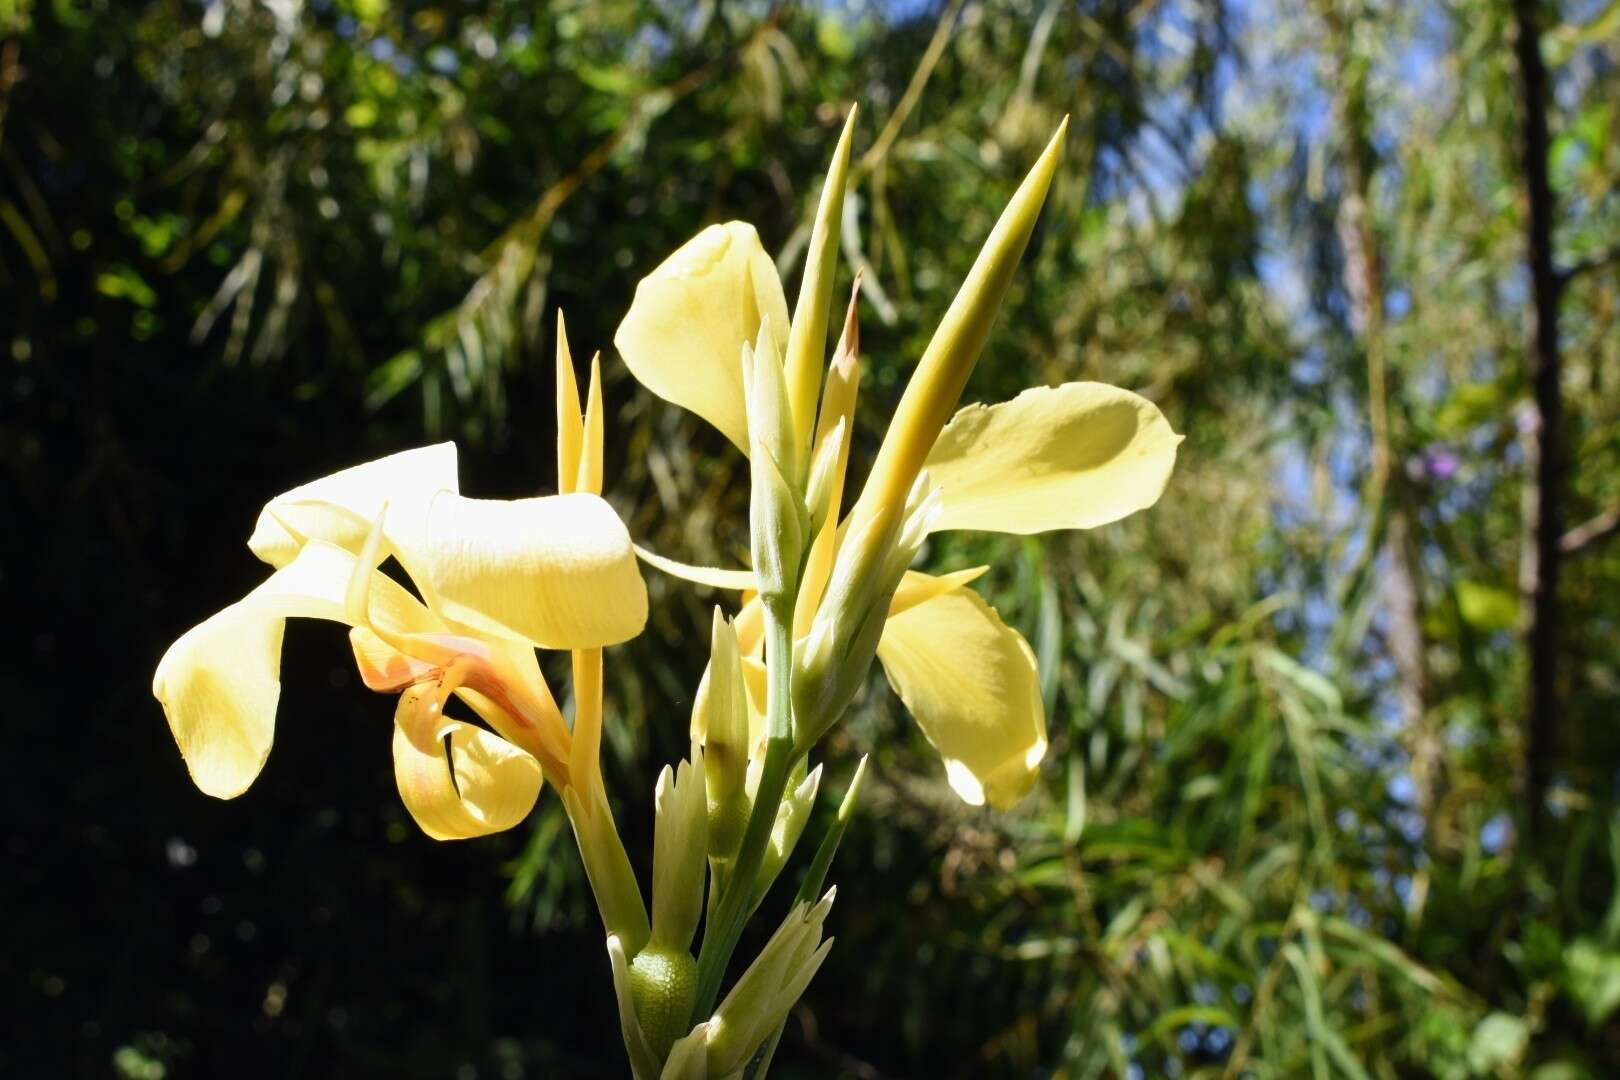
point(1587, 265)
point(1587, 535)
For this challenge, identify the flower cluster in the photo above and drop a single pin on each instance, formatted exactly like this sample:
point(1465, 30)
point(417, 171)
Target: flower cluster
point(828, 591)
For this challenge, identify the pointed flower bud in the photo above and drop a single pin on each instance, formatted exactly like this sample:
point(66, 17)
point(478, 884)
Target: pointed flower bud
point(770, 419)
point(791, 818)
point(776, 979)
point(826, 476)
point(777, 517)
point(843, 638)
point(725, 706)
point(720, 719)
point(680, 841)
point(936, 385)
point(807, 338)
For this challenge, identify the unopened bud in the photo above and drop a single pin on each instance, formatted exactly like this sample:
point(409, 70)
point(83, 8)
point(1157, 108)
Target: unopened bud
point(776, 979)
point(680, 841)
point(843, 638)
point(720, 713)
point(791, 818)
point(825, 476)
point(777, 529)
point(770, 418)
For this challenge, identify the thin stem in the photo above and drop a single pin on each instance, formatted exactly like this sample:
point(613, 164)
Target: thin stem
point(725, 925)
point(607, 866)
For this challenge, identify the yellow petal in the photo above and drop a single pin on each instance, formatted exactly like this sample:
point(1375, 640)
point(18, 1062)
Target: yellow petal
point(220, 682)
point(970, 680)
point(685, 330)
point(557, 571)
point(482, 785)
point(1066, 457)
point(917, 587)
point(715, 577)
point(570, 424)
point(590, 451)
point(341, 508)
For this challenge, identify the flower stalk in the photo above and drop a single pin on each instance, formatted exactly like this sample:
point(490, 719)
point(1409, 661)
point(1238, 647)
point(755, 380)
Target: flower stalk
point(826, 595)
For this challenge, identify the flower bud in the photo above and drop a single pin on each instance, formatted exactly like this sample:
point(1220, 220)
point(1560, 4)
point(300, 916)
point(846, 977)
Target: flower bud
point(680, 842)
point(825, 476)
point(791, 818)
point(770, 418)
point(720, 713)
point(807, 338)
point(936, 385)
point(777, 523)
point(760, 1001)
point(844, 636)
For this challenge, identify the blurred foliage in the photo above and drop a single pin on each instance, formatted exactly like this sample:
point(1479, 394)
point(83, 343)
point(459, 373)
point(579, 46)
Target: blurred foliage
point(244, 242)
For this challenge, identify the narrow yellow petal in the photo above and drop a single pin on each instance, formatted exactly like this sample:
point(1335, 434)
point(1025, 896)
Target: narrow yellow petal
point(750, 623)
point(570, 426)
point(684, 333)
point(556, 571)
point(590, 454)
point(220, 682)
point(482, 785)
point(713, 576)
point(341, 508)
point(1066, 457)
point(918, 588)
point(970, 680)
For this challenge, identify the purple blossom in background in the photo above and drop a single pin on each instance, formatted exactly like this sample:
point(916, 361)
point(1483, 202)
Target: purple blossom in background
point(1441, 462)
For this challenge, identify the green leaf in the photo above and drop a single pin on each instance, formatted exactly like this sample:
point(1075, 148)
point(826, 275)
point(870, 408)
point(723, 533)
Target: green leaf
point(1498, 1044)
point(1487, 607)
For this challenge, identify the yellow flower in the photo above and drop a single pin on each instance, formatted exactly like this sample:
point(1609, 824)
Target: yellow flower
point(1073, 456)
point(497, 579)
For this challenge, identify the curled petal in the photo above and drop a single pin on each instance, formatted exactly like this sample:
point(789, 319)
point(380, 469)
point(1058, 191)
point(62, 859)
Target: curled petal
point(1074, 456)
point(220, 682)
point(557, 572)
point(341, 508)
point(971, 682)
point(477, 785)
point(684, 333)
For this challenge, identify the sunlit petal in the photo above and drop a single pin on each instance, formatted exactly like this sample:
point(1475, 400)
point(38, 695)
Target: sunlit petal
point(480, 784)
point(341, 508)
point(220, 682)
point(917, 587)
point(684, 333)
point(1067, 457)
point(570, 421)
point(557, 571)
point(713, 576)
point(971, 682)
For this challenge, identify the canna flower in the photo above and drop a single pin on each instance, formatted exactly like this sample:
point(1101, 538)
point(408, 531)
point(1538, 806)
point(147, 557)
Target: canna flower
point(497, 579)
point(1074, 456)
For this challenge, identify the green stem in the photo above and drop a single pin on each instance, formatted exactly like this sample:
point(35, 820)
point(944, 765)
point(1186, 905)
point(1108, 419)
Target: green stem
point(725, 926)
point(607, 866)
